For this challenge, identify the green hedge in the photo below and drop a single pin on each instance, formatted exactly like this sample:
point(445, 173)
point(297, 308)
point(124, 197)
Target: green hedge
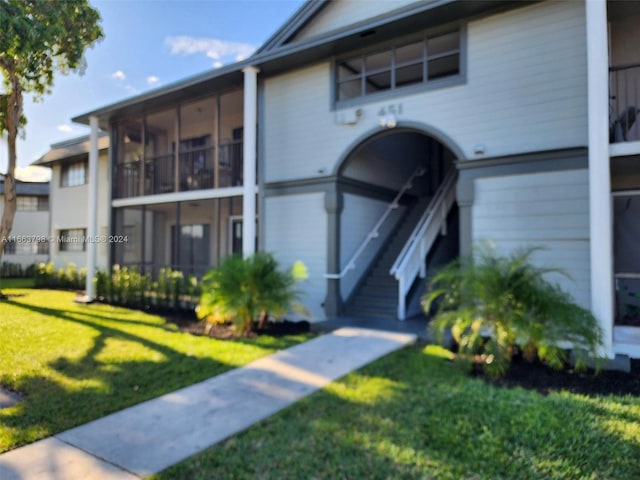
point(15, 270)
point(70, 277)
point(127, 287)
point(122, 286)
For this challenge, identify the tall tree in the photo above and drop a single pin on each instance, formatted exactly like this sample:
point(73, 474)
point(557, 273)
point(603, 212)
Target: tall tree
point(37, 39)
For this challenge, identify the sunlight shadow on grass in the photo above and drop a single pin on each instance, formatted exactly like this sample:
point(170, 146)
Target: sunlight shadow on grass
point(76, 364)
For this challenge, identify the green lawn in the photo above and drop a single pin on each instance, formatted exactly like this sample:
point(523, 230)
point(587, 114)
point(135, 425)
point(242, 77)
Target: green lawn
point(76, 362)
point(17, 283)
point(414, 414)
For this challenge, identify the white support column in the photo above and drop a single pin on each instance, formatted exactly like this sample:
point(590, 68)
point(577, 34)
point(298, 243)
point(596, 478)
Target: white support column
point(249, 163)
point(92, 225)
point(601, 231)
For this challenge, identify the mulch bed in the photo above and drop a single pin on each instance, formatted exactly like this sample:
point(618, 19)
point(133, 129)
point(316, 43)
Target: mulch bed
point(539, 377)
point(187, 322)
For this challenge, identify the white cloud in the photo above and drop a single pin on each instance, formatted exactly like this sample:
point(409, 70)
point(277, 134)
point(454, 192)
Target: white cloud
point(65, 128)
point(118, 75)
point(33, 174)
point(217, 64)
point(152, 80)
point(215, 49)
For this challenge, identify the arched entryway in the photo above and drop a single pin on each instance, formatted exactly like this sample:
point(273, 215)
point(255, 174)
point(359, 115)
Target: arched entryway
point(388, 185)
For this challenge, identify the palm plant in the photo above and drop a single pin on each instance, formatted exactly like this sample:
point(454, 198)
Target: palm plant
point(244, 290)
point(495, 304)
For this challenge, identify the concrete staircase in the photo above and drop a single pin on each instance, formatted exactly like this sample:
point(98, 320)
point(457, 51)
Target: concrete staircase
point(377, 295)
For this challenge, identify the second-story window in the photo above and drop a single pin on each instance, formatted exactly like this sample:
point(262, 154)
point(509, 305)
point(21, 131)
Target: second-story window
point(413, 63)
point(74, 174)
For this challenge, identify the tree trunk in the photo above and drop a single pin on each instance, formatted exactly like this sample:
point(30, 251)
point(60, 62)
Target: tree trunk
point(263, 319)
point(13, 115)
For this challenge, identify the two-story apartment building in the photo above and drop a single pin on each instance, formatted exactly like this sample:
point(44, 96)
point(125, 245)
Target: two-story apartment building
point(68, 204)
point(29, 240)
point(374, 140)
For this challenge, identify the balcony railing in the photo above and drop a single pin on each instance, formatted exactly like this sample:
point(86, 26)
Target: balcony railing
point(231, 157)
point(624, 103)
point(127, 177)
point(196, 171)
point(159, 174)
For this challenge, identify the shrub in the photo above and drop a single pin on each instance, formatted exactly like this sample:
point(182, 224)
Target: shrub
point(68, 277)
point(245, 290)
point(126, 286)
point(494, 304)
point(16, 270)
point(11, 270)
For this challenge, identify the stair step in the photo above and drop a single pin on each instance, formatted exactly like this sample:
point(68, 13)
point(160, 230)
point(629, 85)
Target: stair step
point(369, 290)
point(374, 312)
point(377, 296)
point(380, 304)
point(391, 284)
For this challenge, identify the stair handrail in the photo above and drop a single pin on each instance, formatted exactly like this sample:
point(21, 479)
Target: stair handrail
point(421, 239)
point(415, 234)
point(351, 265)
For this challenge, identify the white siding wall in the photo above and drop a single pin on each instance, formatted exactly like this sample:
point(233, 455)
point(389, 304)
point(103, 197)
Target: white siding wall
point(296, 229)
point(69, 209)
point(28, 224)
point(341, 13)
point(550, 210)
point(525, 91)
point(359, 216)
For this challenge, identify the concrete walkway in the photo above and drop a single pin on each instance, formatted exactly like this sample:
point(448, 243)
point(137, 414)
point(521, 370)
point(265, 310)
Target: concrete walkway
point(149, 437)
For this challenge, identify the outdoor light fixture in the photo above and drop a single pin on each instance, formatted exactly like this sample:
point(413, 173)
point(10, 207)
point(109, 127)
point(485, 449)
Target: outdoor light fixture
point(348, 117)
point(479, 149)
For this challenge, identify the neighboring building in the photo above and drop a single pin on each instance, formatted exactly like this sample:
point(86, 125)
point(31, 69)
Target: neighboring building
point(507, 121)
point(68, 204)
point(29, 238)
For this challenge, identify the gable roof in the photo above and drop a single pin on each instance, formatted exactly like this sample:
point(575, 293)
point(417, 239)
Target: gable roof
point(71, 148)
point(292, 26)
point(313, 9)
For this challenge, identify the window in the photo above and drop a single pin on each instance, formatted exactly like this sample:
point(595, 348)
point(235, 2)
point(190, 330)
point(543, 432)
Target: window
point(74, 174)
point(416, 63)
point(27, 204)
point(72, 240)
point(43, 204)
point(10, 247)
point(32, 203)
point(26, 248)
point(194, 247)
point(42, 248)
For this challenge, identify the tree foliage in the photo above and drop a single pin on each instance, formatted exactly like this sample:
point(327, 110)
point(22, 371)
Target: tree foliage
point(244, 290)
point(37, 39)
point(495, 304)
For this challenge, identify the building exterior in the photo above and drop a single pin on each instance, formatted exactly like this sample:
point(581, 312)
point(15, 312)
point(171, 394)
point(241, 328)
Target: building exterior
point(29, 239)
point(374, 141)
point(68, 204)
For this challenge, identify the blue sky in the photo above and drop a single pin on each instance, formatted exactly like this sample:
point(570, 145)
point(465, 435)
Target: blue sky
point(148, 44)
